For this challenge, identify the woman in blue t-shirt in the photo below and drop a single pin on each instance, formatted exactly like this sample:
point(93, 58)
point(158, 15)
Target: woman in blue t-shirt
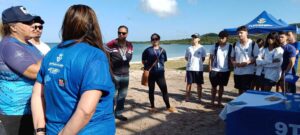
point(154, 59)
point(19, 65)
point(74, 90)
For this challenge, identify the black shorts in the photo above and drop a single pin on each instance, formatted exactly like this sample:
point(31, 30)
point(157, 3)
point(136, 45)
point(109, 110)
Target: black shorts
point(219, 78)
point(194, 77)
point(268, 82)
point(259, 80)
point(17, 124)
point(243, 82)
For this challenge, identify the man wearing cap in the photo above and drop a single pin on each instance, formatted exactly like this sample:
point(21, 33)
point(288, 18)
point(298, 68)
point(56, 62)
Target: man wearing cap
point(195, 56)
point(38, 29)
point(19, 65)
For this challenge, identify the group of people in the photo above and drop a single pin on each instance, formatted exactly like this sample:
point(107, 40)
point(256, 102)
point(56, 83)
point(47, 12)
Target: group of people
point(73, 88)
point(260, 65)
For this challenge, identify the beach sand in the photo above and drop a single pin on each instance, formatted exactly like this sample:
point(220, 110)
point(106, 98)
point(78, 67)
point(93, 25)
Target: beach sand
point(192, 118)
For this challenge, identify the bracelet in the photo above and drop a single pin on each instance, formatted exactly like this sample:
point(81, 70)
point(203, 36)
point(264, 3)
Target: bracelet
point(40, 130)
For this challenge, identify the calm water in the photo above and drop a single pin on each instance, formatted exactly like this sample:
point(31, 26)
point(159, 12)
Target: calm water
point(173, 50)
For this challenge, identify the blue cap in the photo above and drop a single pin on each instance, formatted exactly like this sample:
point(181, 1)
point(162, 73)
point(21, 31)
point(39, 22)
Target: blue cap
point(16, 14)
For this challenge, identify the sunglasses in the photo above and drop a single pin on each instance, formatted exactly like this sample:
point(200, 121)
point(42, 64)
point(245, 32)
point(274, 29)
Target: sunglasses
point(155, 39)
point(38, 27)
point(122, 33)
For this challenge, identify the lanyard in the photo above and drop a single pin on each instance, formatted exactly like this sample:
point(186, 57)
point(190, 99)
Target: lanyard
point(123, 52)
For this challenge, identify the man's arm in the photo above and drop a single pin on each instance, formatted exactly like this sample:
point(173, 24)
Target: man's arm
point(32, 70)
point(291, 64)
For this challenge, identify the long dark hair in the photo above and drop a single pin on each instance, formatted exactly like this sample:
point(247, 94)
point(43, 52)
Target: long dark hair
point(80, 24)
point(274, 36)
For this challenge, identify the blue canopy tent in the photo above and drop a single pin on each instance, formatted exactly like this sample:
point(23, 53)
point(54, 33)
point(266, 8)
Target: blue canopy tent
point(265, 23)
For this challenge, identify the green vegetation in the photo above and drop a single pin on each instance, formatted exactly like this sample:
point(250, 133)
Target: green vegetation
point(210, 38)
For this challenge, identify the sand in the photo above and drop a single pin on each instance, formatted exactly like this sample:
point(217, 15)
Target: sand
point(192, 118)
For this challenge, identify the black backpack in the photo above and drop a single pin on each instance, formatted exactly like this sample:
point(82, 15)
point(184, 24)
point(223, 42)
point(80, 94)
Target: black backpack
point(228, 54)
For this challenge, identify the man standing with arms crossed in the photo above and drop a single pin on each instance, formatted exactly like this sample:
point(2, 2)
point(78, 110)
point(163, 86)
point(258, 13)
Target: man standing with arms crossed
point(243, 57)
point(120, 51)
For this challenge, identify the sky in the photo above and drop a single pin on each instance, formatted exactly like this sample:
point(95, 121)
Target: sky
point(172, 19)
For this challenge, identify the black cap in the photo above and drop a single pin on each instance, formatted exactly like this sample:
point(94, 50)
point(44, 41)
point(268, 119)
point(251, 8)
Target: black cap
point(38, 19)
point(195, 35)
point(16, 14)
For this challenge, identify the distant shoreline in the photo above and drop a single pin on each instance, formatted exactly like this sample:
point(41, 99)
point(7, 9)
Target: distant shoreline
point(173, 58)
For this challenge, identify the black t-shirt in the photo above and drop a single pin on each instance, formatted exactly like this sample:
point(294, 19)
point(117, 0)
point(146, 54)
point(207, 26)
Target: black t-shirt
point(150, 55)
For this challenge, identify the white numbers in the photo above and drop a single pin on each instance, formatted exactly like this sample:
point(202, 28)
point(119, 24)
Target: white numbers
point(282, 128)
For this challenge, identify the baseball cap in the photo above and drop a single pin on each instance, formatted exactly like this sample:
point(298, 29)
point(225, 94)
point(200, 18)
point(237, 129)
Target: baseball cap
point(38, 19)
point(16, 14)
point(196, 35)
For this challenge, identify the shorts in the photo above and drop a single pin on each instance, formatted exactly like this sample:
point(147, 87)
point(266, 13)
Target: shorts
point(268, 82)
point(17, 124)
point(219, 78)
point(194, 77)
point(243, 82)
point(259, 80)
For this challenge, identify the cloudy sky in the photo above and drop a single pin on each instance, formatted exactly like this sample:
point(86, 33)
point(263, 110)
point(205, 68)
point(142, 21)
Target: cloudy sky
point(172, 19)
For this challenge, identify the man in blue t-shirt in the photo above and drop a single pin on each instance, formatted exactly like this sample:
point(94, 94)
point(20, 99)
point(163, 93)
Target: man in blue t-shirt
point(292, 39)
point(289, 57)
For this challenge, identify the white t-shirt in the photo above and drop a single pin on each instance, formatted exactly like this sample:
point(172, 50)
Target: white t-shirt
point(259, 68)
point(43, 48)
point(220, 62)
point(194, 56)
point(272, 71)
point(244, 54)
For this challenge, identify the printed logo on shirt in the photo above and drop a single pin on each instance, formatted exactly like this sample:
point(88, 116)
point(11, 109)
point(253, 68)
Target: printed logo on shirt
point(53, 70)
point(61, 82)
point(47, 78)
point(59, 57)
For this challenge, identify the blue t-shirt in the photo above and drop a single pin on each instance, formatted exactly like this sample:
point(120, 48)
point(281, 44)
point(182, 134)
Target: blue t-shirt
point(297, 46)
point(68, 71)
point(289, 52)
point(15, 88)
point(150, 55)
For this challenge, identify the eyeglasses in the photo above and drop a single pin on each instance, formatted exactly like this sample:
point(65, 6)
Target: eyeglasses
point(155, 39)
point(122, 33)
point(38, 27)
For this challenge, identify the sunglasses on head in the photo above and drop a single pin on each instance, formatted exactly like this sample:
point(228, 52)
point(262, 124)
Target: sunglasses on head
point(155, 39)
point(122, 33)
point(38, 27)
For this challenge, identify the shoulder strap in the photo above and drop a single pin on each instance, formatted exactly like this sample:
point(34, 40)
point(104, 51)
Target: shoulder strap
point(233, 46)
point(229, 55)
point(161, 50)
point(253, 44)
point(216, 48)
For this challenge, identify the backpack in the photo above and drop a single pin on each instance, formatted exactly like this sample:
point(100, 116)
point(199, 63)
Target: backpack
point(228, 54)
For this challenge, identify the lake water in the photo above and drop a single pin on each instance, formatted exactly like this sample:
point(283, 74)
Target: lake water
point(173, 50)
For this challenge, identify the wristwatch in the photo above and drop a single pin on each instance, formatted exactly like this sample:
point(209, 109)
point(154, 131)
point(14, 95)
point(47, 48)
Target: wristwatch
point(40, 130)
